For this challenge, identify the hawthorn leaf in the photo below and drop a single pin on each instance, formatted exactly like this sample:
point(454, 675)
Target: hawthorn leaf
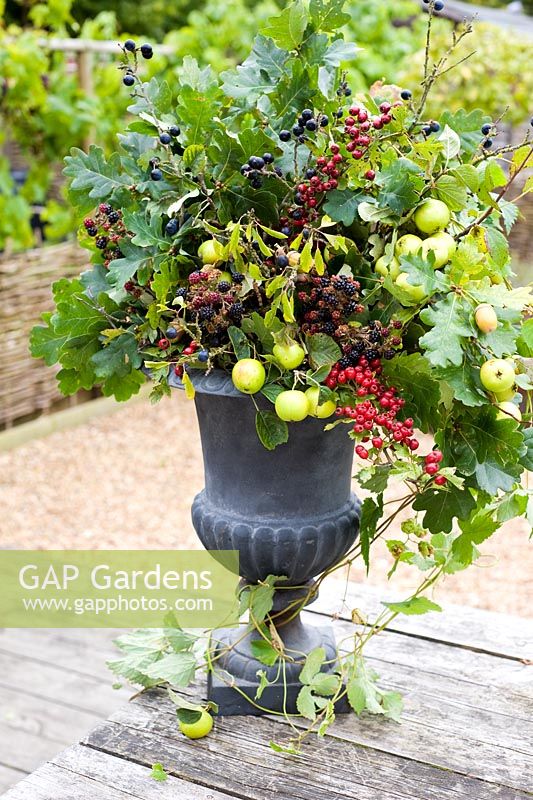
point(287, 29)
point(450, 327)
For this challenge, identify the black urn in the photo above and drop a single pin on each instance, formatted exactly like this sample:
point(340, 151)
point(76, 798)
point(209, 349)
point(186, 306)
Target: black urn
point(289, 512)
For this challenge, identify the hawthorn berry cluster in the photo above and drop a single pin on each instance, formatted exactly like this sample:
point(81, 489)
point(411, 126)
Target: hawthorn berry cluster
point(108, 229)
point(129, 46)
point(358, 127)
point(329, 304)
point(256, 167)
point(306, 123)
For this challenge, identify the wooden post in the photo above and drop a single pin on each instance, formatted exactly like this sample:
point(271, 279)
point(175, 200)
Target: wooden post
point(85, 77)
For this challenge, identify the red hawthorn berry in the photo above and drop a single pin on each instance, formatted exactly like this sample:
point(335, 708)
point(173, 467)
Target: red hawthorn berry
point(178, 370)
point(370, 174)
point(349, 122)
point(334, 148)
point(357, 154)
point(385, 108)
point(440, 480)
point(365, 127)
point(386, 119)
point(377, 441)
point(431, 469)
point(413, 444)
point(362, 116)
point(434, 457)
point(163, 344)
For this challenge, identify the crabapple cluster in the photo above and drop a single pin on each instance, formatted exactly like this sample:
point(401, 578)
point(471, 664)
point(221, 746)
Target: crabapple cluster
point(107, 227)
point(329, 304)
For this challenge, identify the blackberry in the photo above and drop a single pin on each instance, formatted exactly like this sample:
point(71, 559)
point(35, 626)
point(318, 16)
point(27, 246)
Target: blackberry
point(374, 336)
point(329, 328)
point(92, 231)
point(330, 299)
point(224, 286)
point(372, 353)
point(236, 310)
point(237, 277)
point(324, 314)
point(101, 242)
point(349, 289)
point(388, 354)
point(105, 208)
point(113, 217)
point(206, 313)
point(325, 281)
point(351, 307)
point(182, 292)
point(344, 362)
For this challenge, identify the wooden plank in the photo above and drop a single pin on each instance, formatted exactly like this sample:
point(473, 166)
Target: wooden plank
point(8, 777)
point(50, 783)
point(126, 776)
point(82, 651)
point(50, 682)
point(24, 750)
point(44, 718)
point(475, 629)
point(236, 758)
point(447, 735)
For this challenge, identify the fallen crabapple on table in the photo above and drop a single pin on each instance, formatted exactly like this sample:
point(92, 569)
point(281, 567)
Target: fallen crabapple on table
point(338, 258)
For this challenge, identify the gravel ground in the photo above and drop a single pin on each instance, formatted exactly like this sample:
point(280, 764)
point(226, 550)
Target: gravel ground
point(127, 481)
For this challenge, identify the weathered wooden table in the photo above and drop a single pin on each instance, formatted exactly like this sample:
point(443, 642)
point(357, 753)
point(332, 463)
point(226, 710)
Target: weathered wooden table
point(467, 729)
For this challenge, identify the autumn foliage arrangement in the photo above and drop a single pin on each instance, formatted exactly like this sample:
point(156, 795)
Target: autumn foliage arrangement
point(344, 256)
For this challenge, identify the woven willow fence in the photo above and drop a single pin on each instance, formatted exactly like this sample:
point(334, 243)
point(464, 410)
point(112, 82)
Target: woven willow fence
point(28, 386)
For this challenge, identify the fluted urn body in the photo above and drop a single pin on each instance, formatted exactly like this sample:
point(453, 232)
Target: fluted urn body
point(289, 512)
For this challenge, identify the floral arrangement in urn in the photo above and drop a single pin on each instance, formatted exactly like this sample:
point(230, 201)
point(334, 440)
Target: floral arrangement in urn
point(343, 260)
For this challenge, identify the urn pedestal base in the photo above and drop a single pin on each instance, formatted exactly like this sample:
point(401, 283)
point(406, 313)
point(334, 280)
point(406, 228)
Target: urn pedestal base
point(235, 693)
